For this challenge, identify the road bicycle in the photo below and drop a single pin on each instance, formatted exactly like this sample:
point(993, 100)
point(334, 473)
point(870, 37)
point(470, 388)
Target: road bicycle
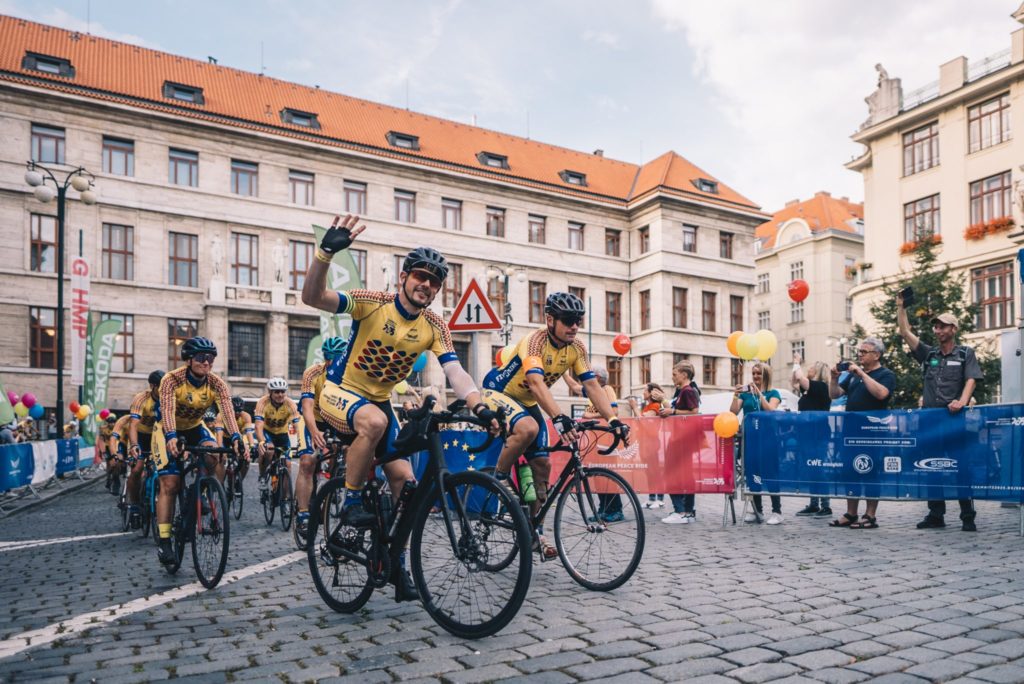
point(329, 465)
point(279, 493)
point(450, 521)
point(598, 525)
point(233, 485)
point(201, 518)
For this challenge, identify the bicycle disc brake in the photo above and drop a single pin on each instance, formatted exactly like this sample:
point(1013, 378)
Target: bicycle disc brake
point(473, 551)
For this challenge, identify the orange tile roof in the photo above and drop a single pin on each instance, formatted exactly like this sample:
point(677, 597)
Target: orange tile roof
point(822, 212)
point(114, 71)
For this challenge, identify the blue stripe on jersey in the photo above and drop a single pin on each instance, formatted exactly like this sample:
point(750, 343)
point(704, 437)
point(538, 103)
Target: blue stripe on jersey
point(336, 369)
point(587, 375)
point(498, 378)
point(537, 371)
point(448, 357)
point(344, 303)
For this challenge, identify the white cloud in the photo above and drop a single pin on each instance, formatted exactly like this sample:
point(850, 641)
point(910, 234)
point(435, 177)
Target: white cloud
point(605, 38)
point(58, 17)
point(790, 76)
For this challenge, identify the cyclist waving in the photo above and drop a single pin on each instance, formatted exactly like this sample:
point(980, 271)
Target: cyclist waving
point(390, 330)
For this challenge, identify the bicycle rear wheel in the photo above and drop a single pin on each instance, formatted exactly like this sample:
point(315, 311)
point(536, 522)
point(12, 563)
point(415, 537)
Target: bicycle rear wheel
point(152, 493)
point(337, 553)
point(237, 498)
point(458, 580)
point(144, 512)
point(599, 549)
point(285, 497)
point(499, 527)
point(211, 533)
point(122, 505)
point(269, 498)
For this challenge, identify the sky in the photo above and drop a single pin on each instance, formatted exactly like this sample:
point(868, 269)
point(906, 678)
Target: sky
point(762, 95)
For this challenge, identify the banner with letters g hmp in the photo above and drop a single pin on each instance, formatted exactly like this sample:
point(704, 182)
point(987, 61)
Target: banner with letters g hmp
point(919, 454)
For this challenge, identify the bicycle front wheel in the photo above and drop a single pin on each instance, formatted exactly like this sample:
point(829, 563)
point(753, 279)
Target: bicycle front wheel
point(599, 529)
point(269, 498)
point(236, 501)
point(337, 553)
point(284, 498)
point(456, 556)
point(211, 533)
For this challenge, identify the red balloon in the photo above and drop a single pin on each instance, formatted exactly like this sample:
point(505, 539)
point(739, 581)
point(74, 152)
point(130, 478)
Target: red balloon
point(73, 407)
point(798, 290)
point(621, 344)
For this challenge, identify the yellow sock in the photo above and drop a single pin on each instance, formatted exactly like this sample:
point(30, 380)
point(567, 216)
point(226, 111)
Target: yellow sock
point(165, 530)
point(352, 487)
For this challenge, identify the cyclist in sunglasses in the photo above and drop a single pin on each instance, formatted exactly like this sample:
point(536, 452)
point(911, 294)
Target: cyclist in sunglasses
point(522, 384)
point(185, 395)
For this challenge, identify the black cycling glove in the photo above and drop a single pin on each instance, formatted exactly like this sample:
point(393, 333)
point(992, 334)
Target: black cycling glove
point(485, 414)
point(336, 239)
point(563, 423)
point(620, 430)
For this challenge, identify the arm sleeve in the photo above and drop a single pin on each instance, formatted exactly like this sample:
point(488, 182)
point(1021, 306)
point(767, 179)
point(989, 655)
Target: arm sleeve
point(261, 406)
point(137, 403)
point(530, 350)
point(168, 405)
point(441, 345)
point(227, 411)
point(308, 377)
point(581, 366)
point(459, 379)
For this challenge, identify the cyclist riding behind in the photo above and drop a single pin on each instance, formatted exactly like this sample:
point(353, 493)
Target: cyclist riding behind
point(390, 330)
point(312, 385)
point(106, 428)
point(140, 435)
point(248, 432)
point(185, 395)
point(117, 445)
point(274, 412)
point(521, 385)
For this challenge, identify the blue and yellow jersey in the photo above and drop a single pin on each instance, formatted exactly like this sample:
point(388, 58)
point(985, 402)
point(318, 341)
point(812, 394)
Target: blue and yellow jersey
point(275, 418)
point(184, 400)
point(535, 354)
point(384, 343)
point(144, 410)
point(120, 431)
point(312, 385)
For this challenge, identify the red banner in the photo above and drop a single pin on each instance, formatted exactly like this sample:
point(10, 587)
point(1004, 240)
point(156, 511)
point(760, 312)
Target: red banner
point(677, 455)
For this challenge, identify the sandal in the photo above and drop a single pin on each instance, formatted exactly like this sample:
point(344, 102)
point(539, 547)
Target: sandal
point(850, 519)
point(866, 523)
point(545, 548)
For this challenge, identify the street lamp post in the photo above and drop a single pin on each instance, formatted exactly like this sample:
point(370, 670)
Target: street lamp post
point(505, 273)
point(41, 177)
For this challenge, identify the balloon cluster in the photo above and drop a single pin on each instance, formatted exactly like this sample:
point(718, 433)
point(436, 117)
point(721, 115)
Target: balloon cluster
point(81, 411)
point(748, 346)
point(26, 405)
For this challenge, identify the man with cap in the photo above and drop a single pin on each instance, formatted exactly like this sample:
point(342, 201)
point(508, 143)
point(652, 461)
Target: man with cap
point(951, 372)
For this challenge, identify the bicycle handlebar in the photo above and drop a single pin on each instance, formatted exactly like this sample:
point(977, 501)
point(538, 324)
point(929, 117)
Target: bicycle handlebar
point(588, 426)
point(424, 420)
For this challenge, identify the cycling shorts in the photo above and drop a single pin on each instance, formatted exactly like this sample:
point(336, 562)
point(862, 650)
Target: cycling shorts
point(339, 406)
point(306, 443)
point(280, 440)
point(200, 435)
point(145, 442)
point(514, 412)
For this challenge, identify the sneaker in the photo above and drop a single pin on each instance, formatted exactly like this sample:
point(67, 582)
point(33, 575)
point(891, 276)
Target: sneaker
point(658, 504)
point(615, 516)
point(774, 519)
point(930, 523)
point(969, 526)
point(650, 503)
point(675, 519)
point(689, 518)
point(752, 517)
point(165, 553)
point(823, 513)
point(808, 510)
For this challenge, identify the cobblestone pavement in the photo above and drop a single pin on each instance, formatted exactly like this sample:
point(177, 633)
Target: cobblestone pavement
point(799, 602)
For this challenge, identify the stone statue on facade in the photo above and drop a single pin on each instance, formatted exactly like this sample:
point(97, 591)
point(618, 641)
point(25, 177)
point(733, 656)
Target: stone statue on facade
point(216, 255)
point(279, 256)
point(887, 100)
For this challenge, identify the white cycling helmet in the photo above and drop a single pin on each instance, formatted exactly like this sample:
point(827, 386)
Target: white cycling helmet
point(277, 384)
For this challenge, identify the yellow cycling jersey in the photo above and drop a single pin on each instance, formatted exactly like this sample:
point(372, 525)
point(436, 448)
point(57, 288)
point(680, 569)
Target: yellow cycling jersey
point(144, 410)
point(120, 430)
point(535, 353)
point(105, 431)
point(275, 419)
point(385, 342)
point(184, 401)
point(312, 385)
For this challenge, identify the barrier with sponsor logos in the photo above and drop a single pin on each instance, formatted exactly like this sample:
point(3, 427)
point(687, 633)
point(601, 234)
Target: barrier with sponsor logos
point(33, 463)
point(674, 455)
point(903, 455)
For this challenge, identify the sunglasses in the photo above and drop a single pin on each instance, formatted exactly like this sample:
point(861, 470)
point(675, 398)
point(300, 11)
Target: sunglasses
point(204, 358)
point(570, 320)
point(861, 352)
point(430, 278)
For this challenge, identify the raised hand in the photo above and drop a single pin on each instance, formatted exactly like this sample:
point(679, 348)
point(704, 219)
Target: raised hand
point(341, 234)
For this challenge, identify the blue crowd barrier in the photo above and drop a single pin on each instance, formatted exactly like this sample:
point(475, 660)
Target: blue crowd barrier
point(33, 462)
point(903, 455)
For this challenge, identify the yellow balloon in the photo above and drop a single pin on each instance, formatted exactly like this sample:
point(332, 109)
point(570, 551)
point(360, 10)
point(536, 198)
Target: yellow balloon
point(746, 346)
point(402, 387)
point(766, 344)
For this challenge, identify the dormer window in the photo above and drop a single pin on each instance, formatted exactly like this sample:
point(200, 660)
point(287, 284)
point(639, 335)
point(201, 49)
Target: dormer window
point(495, 161)
point(183, 93)
point(403, 140)
point(296, 117)
point(705, 185)
point(55, 66)
point(573, 177)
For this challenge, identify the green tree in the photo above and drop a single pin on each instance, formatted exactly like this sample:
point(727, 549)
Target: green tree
point(937, 289)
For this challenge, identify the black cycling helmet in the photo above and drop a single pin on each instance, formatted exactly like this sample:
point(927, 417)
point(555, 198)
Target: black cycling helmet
point(561, 304)
point(155, 377)
point(197, 345)
point(111, 418)
point(426, 259)
point(237, 404)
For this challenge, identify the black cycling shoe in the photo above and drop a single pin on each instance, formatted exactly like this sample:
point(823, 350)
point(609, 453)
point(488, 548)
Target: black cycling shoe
point(165, 553)
point(357, 516)
point(405, 589)
point(930, 523)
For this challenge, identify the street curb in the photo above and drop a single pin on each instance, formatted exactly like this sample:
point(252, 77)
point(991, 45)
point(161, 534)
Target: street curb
point(56, 494)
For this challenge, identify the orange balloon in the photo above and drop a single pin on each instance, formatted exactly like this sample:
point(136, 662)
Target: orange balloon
point(621, 344)
point(726, 424)
point(730, 343)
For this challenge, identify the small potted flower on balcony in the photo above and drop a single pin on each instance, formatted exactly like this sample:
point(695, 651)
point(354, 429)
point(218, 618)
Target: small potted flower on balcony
point(982, 229)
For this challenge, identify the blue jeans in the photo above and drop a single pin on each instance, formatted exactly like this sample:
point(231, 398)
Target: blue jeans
point(822, 502)
point(683, 503)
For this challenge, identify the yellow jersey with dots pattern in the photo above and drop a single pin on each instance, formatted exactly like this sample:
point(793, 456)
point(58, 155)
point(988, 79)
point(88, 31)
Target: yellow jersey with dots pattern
point(312, 385)
point(190, 398)
point(537, 354)
point(275, 417)
point(120, 431)
point(384, 343)
point(144, 410)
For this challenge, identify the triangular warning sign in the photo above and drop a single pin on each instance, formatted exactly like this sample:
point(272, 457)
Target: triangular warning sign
point(473, 312)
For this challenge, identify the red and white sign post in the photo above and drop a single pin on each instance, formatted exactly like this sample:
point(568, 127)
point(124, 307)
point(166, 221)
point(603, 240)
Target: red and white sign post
point(474, 312)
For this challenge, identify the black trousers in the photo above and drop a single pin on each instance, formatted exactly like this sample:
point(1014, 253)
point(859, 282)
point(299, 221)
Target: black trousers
point(937, 509)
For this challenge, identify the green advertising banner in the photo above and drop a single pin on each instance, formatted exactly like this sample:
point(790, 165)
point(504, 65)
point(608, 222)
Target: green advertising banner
point(343, 275)
point(99, 352)
point(6, 410)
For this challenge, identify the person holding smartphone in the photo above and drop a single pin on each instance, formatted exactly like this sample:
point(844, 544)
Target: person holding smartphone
point(759, 396)
point(812, 386)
